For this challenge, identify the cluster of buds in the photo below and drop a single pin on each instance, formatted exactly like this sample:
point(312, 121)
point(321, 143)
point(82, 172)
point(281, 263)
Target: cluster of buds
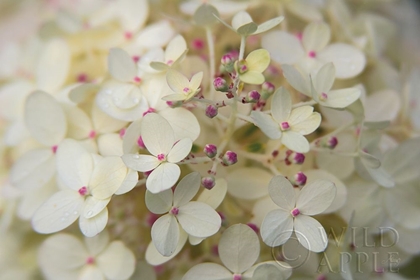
point(267, 89)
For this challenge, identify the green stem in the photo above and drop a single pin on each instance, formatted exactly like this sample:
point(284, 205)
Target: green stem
point(210, 44)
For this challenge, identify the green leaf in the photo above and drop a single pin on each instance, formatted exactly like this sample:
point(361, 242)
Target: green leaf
point(204, 15)
point(247, 29)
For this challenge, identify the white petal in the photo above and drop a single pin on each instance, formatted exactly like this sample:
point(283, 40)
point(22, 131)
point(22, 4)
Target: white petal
point(402, 206)
point(177, 81)
point(121, 65)
point(33, 170)
point(324, 78)
point(265, 26)
point(196, 80)
point(407, 240)
point(117, 261)
point(369, 160)
point(199, 219)
point(140, 163)
point(284, 48)
point(32, 200)
point(78, 122)
point(239, 248)
point(131, 136)
point(295, 142)
point(348, 61)
point(180, 150)
point(63, 251)
point(268, 271)
point(165, 234)
point(282, 193)
point(130, 181)
point(316, 36)
point(153, 257)
point(208, 271)
point(240, 19)
point(309, 125)
point(53, 65)
point(297, 79)
point(110, 144)
point(90, 273)
point(281, 105)
point(248, 183)
point(58, 212)
point(93, 226)
point(300, 114)
point(277, 228)
point(305, 10)
point(195, 240)
point(45, 119)
point(163, 177)
point(155, 35)
point(176, 47)
point(133, 14)
point(159, 203)
point(74, 164)
point(382, 105)
point(310, 233)
point(267, 124)
point(144, 271)
point(94, 206)
point(215, 196)
point(341, 98)
point(157, 141)
point(104, 123)
point(183, 122)
point(107, 177)
point(316, 197)
point(98, 243)
point(186, 189)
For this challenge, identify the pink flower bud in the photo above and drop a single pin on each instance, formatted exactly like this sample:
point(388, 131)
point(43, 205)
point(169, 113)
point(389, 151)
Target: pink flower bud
point(267, 89)
point(210, 150)
point(253, 96)
point(227, 62)
point(332, 142)
point(297, 158)
point(208, 182)
point(300, 178)
point(211, 111)
point(220, 84)
point(229, 158)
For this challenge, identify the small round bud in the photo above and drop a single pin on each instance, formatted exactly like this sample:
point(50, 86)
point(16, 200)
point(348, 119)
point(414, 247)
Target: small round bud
point(210, 150)
point(267, 89)
point(332, 142)
point(229, 158)
point(208, 182)
point(242, 66)
point(300, 178)
point(297, 158)
point(220, 84)
point(211, 111)
point(253, 96)
point(227, 62)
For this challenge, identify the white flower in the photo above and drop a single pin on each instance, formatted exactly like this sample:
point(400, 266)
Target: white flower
point(159, 139)
point(319, 86)
point(311, 52)
point(239, 249)
point(196, 218)
point(295, 211)
point(184, 89)
point(63, 256)
point(90, 183)
point(287, 124)
point(224, 7)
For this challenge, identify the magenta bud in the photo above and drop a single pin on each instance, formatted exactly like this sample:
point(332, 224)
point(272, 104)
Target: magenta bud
point(220, 84)
point(253, 96)
point(242, 66)
point(211, 111)
point(267, 89)
point(229, 158)
point(300, 178)
point(227, 62)
point(174, 104)
point(297, 158)
point(210, 150)
point(208, 182)
point(332, 142)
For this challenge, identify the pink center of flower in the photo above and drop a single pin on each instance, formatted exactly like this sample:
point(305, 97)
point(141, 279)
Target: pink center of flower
point(197, 44)
point(54, 148)
point(128, 35)
point(244, 68)
point(285, 125)
point(161, 157)
point(169, 62)
point(140, 143)
point(83, 191)
point(237, 277)
point(90, 260)
point(174, 211)
point(299, 35)
point(324, 96)
point(295, 212)
point(321, 277)
point(312, 54)
point(135, 58)
point(82, 78)
point(122, 132)
point(92, 134)
point(137, 79)
point(186, 89)
point(150, 110)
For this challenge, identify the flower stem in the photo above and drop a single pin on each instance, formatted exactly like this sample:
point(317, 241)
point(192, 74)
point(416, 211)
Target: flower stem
point(210, 44)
